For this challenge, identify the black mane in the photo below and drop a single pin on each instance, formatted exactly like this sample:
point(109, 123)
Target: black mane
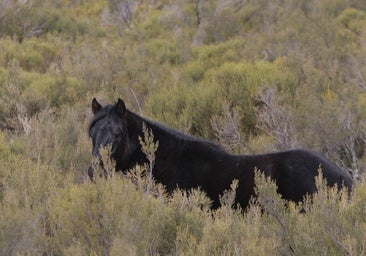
point(100, 115)
point(178, 138)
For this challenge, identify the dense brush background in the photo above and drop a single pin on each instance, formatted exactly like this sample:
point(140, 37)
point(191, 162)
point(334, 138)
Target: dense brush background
point(255, 76)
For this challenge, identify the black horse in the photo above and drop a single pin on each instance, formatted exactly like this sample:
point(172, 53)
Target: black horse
point(185, 162)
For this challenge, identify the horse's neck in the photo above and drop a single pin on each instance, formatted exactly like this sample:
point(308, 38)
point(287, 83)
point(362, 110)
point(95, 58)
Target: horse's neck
point(169, 141)
point(142, 127)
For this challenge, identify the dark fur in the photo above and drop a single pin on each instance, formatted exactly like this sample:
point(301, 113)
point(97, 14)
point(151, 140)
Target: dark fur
point(187, 162)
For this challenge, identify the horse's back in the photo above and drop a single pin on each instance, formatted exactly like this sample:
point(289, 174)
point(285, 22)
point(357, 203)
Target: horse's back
point(313, 162)
point(295, 170)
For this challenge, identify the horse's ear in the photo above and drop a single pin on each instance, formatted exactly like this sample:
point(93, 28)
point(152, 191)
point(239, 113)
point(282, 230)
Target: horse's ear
point(95, 106)
point(120, 108)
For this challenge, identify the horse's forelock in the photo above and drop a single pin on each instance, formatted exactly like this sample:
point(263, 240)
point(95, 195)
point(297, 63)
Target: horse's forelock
point(98, 116)
point(104, 112)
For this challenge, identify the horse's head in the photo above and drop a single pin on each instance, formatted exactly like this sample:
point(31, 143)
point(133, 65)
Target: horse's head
point(108, 128)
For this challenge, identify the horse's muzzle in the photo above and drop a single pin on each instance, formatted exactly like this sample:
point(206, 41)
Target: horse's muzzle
point(98, 168)
point(91, 172)
point(92, 167)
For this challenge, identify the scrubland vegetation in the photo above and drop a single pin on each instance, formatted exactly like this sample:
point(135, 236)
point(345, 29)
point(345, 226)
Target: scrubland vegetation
point(253, 75)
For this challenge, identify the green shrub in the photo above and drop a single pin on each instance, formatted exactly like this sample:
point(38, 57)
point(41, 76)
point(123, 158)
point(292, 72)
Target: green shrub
point(152, 26)
point(214, 55)
point(25, 188)
point(37, 94)
point(163, 51)
point(62, 22)
point(22, 19)
point(193, 72)
point(222, 27)
point(175, 101)
point(232, 84)
point(353, 19)
point(48, 90)
point(32, 54)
